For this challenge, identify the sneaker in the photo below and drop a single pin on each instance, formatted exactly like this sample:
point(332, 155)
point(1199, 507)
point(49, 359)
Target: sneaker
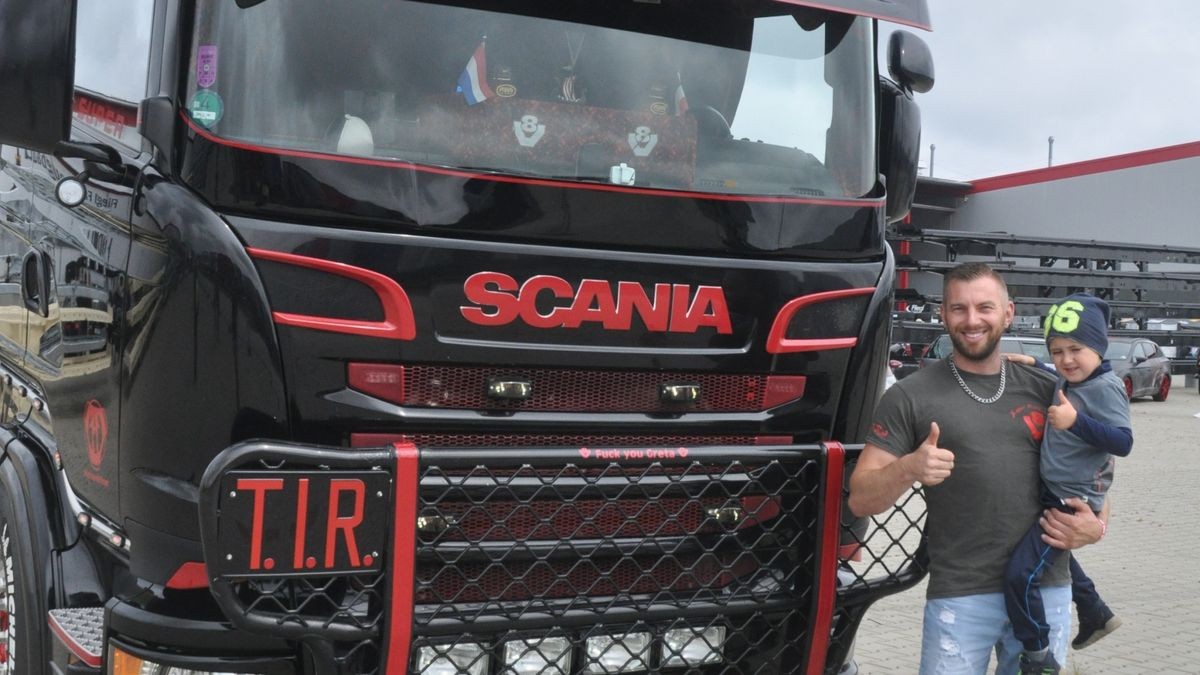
point(1092, 628)
point(1043, 665)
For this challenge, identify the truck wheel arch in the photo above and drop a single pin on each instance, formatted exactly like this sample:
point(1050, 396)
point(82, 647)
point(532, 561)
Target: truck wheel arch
point(25, 540)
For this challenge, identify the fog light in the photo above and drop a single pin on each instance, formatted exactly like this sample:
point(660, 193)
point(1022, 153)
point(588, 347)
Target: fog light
point(692, 646)
point(547, 656)
point(452, 660)
point(617, 653)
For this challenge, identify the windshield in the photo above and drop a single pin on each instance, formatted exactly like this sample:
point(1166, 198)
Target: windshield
point(723, 96)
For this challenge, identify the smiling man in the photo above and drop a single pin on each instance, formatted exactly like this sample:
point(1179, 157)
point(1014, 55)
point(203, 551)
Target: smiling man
point(968, 429)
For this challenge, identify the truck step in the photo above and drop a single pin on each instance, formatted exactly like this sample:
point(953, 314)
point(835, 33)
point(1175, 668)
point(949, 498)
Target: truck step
point(81, 631)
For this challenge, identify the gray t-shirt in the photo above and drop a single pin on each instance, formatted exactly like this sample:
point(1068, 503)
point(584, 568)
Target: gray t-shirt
point(979, 514)
point(1072, 467)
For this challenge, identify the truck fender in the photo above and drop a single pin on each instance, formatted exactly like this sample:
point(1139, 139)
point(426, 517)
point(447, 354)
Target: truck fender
point(25, 543)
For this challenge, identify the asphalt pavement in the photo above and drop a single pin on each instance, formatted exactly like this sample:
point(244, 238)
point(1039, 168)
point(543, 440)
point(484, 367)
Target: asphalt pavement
point(1146, 568)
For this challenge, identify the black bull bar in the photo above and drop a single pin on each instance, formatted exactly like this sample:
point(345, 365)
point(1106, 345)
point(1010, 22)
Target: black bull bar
point(387, 560)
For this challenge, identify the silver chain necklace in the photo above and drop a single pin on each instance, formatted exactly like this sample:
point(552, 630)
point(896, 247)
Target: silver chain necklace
point(979, 399)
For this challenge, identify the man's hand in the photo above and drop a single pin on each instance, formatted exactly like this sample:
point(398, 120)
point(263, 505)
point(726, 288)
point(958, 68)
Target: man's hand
point(1062, 415)
point(1070, 530)
point(929, 464)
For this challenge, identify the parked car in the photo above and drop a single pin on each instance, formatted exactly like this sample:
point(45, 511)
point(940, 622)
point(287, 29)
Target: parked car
point(1009, 344)
point(904, 358)
point(1142, 366)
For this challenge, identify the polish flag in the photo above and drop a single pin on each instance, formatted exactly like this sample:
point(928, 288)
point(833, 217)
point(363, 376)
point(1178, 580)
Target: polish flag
point(472, 82)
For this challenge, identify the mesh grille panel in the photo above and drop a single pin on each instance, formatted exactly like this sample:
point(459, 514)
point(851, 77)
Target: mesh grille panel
point(608, 549)
point(579, 390)
point(591, 519)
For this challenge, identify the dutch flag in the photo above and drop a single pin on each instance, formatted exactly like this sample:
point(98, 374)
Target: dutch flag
point(472, 82)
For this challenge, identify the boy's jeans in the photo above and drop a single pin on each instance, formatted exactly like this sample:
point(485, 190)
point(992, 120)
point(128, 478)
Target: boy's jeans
point(960, 633)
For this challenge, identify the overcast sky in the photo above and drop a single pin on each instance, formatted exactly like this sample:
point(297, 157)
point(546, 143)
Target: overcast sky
point(1103, 77)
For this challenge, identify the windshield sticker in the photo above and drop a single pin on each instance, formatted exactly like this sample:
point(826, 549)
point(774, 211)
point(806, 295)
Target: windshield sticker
point(206, 66)
point(504, 87)
point(642, 141)
point(528, 131)
point(207, 108)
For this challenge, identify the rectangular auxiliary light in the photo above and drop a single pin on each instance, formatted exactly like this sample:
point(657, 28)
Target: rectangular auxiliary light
point(546, 656)
point(618, 653)
point(693, 646)
point(452, 660)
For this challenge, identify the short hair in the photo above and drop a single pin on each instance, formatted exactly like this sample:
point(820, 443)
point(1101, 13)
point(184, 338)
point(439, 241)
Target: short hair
point(970, 271)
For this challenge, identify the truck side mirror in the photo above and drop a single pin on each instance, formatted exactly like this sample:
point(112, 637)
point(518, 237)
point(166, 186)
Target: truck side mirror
point(899, 147)
point(37, 72)
point(909, 62)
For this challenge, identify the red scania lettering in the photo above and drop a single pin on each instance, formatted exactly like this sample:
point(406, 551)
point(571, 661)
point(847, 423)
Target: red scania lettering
point(546, 301)
point(489, 289)
point(528, 300)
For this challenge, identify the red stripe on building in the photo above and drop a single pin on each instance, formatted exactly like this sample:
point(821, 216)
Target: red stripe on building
point(1089, 167)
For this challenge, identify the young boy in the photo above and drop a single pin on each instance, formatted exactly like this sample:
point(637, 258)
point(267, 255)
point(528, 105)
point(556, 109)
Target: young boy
point(1088, 423)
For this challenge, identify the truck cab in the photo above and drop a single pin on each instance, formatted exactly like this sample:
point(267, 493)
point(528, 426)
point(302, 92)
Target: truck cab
point(442, 337)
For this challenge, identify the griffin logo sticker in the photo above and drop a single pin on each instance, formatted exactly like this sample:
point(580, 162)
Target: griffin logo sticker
point(95, 433)
point(95, 430)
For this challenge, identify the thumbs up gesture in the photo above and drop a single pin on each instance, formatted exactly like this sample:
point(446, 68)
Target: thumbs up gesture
point(930, 464)
point(1062, 413)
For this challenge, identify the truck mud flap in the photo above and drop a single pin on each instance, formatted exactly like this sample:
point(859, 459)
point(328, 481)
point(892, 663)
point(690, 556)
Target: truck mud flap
point(402, 560)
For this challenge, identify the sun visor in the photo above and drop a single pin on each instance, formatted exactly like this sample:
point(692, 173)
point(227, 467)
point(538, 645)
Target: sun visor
point(913, 13)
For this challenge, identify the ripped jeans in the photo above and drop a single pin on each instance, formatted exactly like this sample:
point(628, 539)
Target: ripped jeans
point(960, 633)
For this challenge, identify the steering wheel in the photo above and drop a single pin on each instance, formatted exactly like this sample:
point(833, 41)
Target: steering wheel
point(711, 123)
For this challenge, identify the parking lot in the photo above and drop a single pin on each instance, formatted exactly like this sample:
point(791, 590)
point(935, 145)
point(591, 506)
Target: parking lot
point(1146, 568)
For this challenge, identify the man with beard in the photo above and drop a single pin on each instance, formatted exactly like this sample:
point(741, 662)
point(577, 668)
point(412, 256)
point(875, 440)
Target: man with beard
point(968, 428)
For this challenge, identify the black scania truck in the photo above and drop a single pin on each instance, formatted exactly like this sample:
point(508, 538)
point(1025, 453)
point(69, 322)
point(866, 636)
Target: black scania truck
point(444, 336)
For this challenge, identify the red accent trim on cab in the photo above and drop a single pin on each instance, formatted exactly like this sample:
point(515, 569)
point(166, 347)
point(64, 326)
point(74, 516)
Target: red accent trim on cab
point(779, 343)
point(397, 321)
point(404, 546)
point(92, 660)
point(544, 182)
point(782, 389)
point(827, 562)
point(1088, 167)
point(189, 575)
point(381, 380)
